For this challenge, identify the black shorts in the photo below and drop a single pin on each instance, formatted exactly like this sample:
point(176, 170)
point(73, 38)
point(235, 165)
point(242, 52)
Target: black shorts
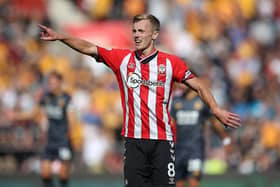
point(62, 153)
point(149, 163)
point(188, 164)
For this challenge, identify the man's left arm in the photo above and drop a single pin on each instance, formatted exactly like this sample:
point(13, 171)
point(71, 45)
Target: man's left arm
point(226, 117)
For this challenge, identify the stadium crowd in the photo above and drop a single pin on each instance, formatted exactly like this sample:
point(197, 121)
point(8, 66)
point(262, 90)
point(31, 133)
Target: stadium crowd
point(233, 44)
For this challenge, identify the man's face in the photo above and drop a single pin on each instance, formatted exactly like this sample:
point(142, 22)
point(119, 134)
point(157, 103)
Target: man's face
point(143, 34)
point(54, 84)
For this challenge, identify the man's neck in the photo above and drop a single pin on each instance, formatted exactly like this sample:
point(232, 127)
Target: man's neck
point(144, 53)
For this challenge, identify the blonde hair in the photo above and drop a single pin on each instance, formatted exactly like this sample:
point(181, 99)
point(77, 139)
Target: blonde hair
point(154, 21)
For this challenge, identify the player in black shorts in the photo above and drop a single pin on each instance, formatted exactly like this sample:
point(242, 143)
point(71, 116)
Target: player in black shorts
point(190, 115)
point(54, 106)
point(145, 76)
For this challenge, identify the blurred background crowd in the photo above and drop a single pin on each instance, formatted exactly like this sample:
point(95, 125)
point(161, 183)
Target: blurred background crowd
point(232, 44)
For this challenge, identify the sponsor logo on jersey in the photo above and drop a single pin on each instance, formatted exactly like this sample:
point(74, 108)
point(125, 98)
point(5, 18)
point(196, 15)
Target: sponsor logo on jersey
point(134, 80)
point(186, 117)
point(54, 111)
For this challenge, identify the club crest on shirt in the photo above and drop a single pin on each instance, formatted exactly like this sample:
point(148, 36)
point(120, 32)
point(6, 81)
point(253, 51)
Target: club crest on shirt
point(131, 65)
point(161, 69)
point(197, 105)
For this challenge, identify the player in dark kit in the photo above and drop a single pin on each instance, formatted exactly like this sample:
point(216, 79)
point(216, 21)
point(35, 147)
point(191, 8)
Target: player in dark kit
point(190, 115)
point(145, 76)
point(55, 107)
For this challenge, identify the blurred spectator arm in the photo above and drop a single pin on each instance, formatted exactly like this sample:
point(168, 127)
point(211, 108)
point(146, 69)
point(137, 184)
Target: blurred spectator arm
point(25, 115)
point(216, 126)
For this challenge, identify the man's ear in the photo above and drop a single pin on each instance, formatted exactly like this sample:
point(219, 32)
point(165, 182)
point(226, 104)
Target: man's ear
point(155, 35)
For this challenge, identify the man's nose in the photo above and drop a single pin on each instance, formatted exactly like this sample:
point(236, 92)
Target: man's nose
point(136, 34)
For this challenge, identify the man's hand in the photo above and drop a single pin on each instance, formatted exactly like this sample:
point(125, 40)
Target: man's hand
point(227, 118)
point(48, 34)
point(79, 45)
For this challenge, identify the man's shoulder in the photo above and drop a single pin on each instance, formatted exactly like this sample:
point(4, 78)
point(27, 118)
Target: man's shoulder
point(45, 98)
point(169, 56)
point(66, 95)
point(47, 94)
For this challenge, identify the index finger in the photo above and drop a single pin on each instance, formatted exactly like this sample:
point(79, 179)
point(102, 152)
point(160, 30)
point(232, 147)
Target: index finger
point(42, 27)
point(235, 118)
point(233, 114)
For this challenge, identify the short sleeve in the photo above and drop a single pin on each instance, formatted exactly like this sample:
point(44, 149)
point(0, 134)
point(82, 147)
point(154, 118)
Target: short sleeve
point(112, 57)
point(68, 99)
point(70, 105)
point(181, 71)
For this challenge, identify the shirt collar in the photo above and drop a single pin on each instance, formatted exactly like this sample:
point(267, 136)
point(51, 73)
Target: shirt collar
point(146, 59)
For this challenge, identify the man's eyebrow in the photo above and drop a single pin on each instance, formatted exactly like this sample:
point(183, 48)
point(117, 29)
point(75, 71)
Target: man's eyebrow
point(138, 30)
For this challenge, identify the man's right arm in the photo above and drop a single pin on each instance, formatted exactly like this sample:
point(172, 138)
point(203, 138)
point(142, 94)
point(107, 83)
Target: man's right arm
point(77, 44)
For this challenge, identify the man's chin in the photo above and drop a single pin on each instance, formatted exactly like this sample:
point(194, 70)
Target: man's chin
point(139, 47)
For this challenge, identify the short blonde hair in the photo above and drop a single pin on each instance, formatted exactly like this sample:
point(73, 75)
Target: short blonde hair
point(154, 21)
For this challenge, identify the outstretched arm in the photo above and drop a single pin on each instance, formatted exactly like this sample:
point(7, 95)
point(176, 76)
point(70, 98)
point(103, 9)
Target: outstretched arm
point(79, 45)
point(227, 118)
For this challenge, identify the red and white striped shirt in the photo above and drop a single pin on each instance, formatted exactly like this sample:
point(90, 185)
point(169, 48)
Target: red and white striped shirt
point(145, 87)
